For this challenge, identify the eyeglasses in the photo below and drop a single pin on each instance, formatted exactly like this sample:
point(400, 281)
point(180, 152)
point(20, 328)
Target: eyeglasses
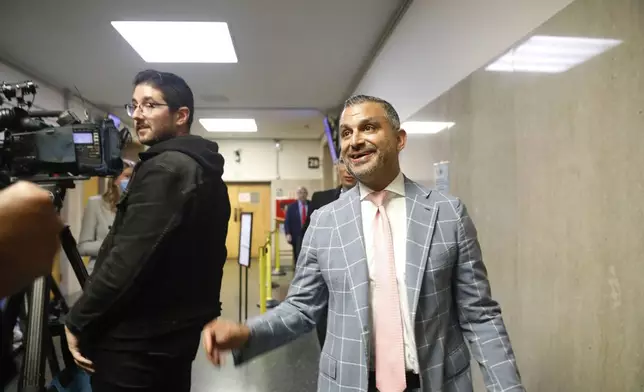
point(146, 108)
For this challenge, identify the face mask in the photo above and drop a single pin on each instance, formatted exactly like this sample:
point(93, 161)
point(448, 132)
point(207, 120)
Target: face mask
point(123, 184)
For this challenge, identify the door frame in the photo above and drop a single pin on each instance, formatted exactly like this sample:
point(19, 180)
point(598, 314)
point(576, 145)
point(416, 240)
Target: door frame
point(270, 207)
point(270, 186)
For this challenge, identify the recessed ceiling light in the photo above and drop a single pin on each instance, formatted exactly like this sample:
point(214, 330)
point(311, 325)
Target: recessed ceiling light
point(549, 54)
point(179, 42)
point(426, 127)
point(229, 124)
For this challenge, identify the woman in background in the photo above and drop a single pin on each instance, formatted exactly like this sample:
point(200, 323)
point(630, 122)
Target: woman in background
point(99, 215)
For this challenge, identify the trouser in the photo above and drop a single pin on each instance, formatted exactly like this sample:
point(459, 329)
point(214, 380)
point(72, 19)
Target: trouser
point(297, 246)
point(124, 371)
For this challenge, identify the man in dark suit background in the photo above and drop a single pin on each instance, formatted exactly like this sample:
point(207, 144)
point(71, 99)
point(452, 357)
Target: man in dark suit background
point(319, 200)
point(322, 198)
point(296, 214)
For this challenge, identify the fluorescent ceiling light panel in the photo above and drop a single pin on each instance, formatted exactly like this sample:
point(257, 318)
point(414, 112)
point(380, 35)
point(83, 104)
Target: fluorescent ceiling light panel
point(179, 42)
point(549, 54)
point(426, 127)
point(229, 124)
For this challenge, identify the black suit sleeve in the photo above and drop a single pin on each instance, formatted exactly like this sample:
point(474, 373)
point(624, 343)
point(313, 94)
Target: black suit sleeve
point(288, 219)
point(154, 204)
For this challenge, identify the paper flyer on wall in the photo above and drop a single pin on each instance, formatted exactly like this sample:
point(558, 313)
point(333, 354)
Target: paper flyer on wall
point(441, 176)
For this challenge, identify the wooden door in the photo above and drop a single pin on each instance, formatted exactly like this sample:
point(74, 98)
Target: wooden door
point(232, 239)
point(255, 198)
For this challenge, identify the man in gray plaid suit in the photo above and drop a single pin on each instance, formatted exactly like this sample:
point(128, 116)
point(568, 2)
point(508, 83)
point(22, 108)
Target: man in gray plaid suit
point(442, 296)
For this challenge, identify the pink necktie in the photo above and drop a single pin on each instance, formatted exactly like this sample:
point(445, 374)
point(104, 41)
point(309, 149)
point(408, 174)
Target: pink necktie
point(388, 330)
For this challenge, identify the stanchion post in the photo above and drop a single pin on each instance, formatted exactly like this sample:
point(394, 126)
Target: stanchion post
point(270, 301)
point(240, 292)
point(262, 280)
point(278, 271)
point(246, 297)
point(269, 276)
point(269, 240)
point(277, 250)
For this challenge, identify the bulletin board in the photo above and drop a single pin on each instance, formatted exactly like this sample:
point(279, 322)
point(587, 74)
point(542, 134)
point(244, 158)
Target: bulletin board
point(280, 207)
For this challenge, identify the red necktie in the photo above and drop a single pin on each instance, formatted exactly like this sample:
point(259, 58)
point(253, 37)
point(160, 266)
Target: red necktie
point(303, 214)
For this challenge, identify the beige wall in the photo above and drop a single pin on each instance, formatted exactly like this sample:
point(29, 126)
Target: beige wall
point(550, 166)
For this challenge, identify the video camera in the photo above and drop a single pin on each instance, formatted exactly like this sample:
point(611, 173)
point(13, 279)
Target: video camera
point(34, 150)
point(53, 156)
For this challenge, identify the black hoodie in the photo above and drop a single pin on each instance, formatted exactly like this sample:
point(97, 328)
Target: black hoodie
point(205, 152)
point(158, 274)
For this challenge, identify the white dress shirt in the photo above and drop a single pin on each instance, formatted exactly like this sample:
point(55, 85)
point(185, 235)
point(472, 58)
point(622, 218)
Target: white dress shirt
point(397, 214)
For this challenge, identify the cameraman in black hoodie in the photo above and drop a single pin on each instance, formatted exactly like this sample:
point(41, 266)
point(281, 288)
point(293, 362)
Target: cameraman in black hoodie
point(158, 274)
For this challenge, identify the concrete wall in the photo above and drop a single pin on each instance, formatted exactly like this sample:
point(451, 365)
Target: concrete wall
point(550, 166)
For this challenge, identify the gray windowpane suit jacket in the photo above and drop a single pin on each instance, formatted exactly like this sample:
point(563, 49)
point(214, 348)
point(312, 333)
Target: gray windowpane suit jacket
point(448, 291)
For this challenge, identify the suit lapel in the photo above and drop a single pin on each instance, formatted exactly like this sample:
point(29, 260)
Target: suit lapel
point(336, 194)
point(348, 218)
point(421, 220)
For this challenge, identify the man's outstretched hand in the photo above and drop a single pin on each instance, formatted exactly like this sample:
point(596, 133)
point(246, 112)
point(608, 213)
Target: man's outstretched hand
point(220, 336)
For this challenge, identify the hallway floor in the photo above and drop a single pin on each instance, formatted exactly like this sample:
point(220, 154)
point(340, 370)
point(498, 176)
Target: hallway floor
point(292, 368)
point(289, 369)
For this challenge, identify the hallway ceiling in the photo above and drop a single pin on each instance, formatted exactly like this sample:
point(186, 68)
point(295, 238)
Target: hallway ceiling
point(297, 59)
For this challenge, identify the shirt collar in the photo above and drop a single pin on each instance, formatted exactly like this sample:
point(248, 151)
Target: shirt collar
point(397, 187)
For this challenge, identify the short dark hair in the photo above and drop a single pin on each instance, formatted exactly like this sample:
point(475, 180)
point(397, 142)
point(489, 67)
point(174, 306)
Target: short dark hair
point(176, 91)
point(390, 112)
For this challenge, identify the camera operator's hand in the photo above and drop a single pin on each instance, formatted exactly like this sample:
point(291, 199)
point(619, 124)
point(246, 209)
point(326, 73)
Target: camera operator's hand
point(29, 235)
